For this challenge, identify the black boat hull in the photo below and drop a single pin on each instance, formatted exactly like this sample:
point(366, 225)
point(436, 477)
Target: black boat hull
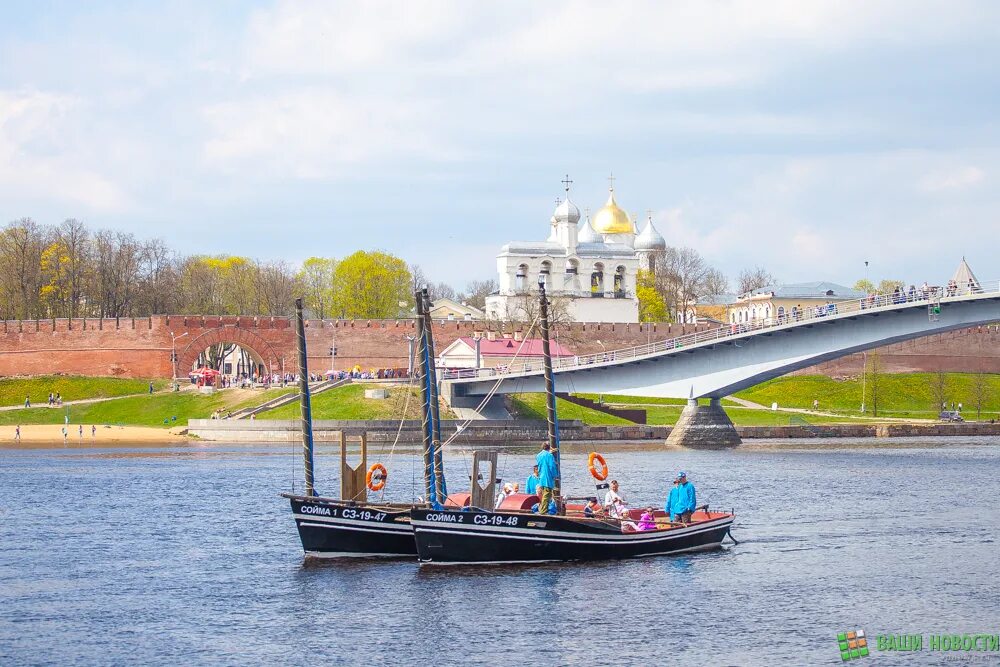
point(331, 528)
point(499, 537)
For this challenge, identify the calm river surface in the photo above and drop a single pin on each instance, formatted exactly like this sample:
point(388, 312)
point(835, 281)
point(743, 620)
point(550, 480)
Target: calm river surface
point(186, 555)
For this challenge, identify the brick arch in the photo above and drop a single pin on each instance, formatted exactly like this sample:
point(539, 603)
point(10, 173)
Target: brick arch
point(245, 338)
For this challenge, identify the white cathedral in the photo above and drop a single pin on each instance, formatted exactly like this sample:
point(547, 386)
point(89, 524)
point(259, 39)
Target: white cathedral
point(590, 267)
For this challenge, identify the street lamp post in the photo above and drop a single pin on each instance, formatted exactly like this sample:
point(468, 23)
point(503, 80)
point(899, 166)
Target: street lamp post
point(409, 355)
point(864, 377)
point(173, 355)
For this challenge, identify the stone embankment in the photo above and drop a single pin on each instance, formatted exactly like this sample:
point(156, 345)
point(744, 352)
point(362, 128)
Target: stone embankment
point(487, 431)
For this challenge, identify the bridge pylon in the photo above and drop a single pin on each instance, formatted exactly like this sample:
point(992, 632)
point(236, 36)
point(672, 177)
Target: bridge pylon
point(704, 427)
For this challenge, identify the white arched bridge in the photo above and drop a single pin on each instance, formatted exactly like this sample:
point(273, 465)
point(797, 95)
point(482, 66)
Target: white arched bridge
point(722, 361)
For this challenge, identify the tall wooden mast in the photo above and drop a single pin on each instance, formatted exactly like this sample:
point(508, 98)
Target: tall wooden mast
point(550, 388)
point(304, 403)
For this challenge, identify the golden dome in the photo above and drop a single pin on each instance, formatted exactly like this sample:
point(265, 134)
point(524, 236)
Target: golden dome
point(611, 219)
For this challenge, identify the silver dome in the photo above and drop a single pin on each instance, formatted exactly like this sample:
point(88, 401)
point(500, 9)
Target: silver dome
point(567, 212)
point(587, 233)
point(649, 238)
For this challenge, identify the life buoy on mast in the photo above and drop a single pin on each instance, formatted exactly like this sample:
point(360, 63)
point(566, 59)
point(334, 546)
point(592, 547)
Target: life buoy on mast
point(375, 479)
point(598, 466)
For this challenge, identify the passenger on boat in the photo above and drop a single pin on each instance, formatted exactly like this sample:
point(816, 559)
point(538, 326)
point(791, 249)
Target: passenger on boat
point(547, 472)
point(668, 507)
point(504, 492)
point(646, 521)
point(685, 502)
point(531, 486)
point(592, 508)
point(614, 502)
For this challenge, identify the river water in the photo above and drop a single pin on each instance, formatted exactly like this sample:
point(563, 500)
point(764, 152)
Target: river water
point(186, 555)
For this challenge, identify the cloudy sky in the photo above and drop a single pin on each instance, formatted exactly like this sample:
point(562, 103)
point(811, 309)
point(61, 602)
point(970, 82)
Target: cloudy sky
point(804, 136)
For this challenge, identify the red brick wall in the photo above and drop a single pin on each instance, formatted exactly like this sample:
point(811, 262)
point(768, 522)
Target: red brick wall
point(141, 347)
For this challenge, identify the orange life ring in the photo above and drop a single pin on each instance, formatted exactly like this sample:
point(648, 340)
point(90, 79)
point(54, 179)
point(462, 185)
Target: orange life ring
point(599, 473)
point(376, 483)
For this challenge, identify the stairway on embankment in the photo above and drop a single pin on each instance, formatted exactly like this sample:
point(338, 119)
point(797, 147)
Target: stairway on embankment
point(634, 415)
point(318, 388)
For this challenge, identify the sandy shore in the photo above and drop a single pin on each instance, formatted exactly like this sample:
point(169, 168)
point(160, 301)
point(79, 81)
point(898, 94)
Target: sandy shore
point(52, 433)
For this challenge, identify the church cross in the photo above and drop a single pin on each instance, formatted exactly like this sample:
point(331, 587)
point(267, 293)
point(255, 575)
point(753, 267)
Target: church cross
point(649, 213)
point(566, 182)
point(611, 181)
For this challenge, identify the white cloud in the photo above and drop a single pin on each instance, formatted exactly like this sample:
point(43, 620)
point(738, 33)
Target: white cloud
point(315, 133)
point(960, 178)
point(40, 157)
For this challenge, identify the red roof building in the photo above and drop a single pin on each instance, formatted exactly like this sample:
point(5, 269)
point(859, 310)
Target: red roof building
point(499, 352)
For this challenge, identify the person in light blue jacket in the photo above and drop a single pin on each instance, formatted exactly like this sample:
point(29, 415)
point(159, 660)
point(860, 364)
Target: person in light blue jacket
point(531, 485)
point(671, 499)
point(684, 502)
point(547, 472)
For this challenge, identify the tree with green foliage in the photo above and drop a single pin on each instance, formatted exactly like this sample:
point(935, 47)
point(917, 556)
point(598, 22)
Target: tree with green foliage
point(886, 286)
point(652, 307)
point(980, 392)
point(371, 285)
point(865, 285)
point(316, 279)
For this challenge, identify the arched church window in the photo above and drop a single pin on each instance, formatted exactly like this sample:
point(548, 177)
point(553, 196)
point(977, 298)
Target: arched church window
point(597, 280)
point(544, 273)
point(572, 266)
point(620, 282)
point(521, 278)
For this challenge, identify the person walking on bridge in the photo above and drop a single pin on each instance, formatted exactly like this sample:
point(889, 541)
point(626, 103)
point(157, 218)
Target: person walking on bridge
point(546, 477)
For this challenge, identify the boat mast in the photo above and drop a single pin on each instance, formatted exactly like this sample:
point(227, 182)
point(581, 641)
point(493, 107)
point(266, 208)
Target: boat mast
point(440, 488)
point(550, 387)
point(306, 425)
point(430, 490)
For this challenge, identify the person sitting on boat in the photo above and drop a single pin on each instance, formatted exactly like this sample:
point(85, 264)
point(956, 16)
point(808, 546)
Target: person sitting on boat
point(531, 486)
point(614, 502)
point(547, 472)
point(504, 492)
point(646, 521)
point(684, 502)
point(668, 507)
point(592, 508)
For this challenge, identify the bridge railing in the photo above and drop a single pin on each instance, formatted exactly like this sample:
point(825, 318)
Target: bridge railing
point(871, 303)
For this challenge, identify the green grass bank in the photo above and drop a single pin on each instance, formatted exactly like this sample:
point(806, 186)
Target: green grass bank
point(71, 387)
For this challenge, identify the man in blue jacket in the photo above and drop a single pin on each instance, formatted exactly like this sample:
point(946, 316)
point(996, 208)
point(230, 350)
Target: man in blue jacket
point(671, 499)
point(531, 485)
point(684, 502)
point(546, 477)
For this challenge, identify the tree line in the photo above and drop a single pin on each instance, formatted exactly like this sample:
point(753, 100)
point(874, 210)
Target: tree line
point(681, 278)
point(71, 271)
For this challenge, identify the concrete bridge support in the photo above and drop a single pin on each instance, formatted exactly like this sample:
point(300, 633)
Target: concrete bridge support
point(704, 427)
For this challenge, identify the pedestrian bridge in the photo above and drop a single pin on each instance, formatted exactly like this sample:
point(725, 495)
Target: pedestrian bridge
point(723, 361)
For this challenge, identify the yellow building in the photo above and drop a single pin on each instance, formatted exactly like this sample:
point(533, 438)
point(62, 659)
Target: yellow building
point(781, 303)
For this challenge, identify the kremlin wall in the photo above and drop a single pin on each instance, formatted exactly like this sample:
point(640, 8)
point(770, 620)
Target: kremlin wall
point(141, 347)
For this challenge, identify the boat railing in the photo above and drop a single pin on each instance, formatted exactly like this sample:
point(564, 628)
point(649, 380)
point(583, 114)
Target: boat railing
point(931, 296)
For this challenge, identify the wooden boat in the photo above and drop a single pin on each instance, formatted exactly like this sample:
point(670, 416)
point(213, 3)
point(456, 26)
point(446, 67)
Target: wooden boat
point(333, 528)
point(510, 534)
point(483, 536)
point(352, 526)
